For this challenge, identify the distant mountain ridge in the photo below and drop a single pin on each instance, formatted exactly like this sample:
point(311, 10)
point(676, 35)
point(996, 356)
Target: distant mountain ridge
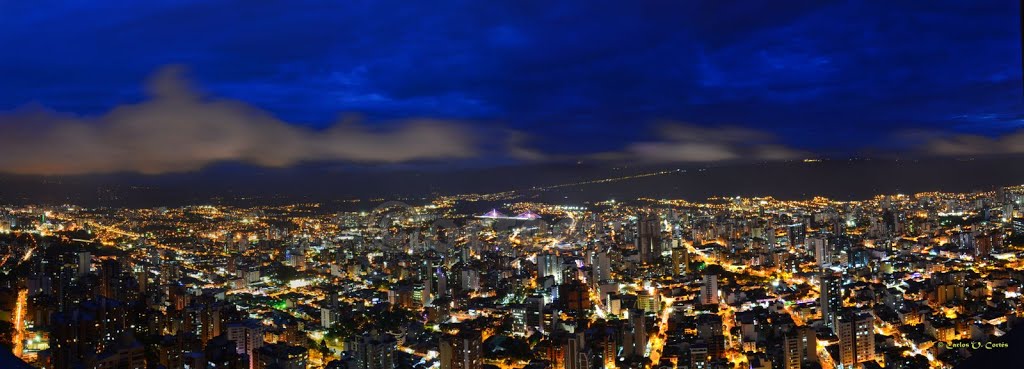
point(847, 179)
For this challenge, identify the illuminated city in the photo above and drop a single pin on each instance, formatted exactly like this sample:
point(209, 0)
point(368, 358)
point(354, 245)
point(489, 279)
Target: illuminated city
point(652, 283)
point(511, 184)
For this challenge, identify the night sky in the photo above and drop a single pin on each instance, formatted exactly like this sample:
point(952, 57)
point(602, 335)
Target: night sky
point(176, 86)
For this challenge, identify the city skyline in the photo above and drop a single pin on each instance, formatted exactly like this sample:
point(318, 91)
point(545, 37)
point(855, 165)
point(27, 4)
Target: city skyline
point(723, 283)
point(381, 184)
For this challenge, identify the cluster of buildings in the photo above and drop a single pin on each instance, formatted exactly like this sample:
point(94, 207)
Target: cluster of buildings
point(897, 281)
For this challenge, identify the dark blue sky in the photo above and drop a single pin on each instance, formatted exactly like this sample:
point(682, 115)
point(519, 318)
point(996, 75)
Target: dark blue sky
point(571, 78)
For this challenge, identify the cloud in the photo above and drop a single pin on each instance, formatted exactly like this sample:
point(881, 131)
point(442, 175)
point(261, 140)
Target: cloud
point(953, 145)
point(681, 142)
point(179, 129)
point(587, 73)
point(516, 146)
point(683, 151)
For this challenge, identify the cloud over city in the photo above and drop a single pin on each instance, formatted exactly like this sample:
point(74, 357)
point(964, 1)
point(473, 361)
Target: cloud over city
point(179, 129)
point(681, 142)
point(964, 144)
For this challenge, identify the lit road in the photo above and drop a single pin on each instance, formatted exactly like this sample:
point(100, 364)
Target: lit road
point(132, 235)
point(824, 357)
point(902, 341)
point(24, 258)
point(656, 343)
point(19, 322)
point(28, 255)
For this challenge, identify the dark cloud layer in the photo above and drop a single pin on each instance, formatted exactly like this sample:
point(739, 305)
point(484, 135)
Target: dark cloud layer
point(679, 142)
point(550, 80)
point(973, 145)
point(179, 130)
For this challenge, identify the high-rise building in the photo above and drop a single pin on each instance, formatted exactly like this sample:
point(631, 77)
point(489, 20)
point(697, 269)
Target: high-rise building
point(463, 350)
point(247, 336)
point(648, 238)
point(84, 263)
point(281, 355)
point(534, 308)
point(553, 350)
point(680, 260)
point(204, 318)
point(634, 333)
point(770, 238)
point(110, 278)
point(821, 249)
point(709, 290)
point(569, 271)
point(716, 346)
point(330, 313)
point(889, 223)
point(856, 337)
point(296, 258)
point(435, 278)
point(711, 330)
point(987, 243)
point(519, 313)
point(709, 325)
point(574, 296)
point(549, 265)
point(797, 234)
point(470, 280)
point(127, 353)
point(699, 357)
point(329, 316)
point(565, 350)
point(576, 355)
point(170, 351)
point(647, 302)
point(220, 353)
point(95, 326)
point(372, 351)
point(830, 297)
point(800, 347)
point(601, 268)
